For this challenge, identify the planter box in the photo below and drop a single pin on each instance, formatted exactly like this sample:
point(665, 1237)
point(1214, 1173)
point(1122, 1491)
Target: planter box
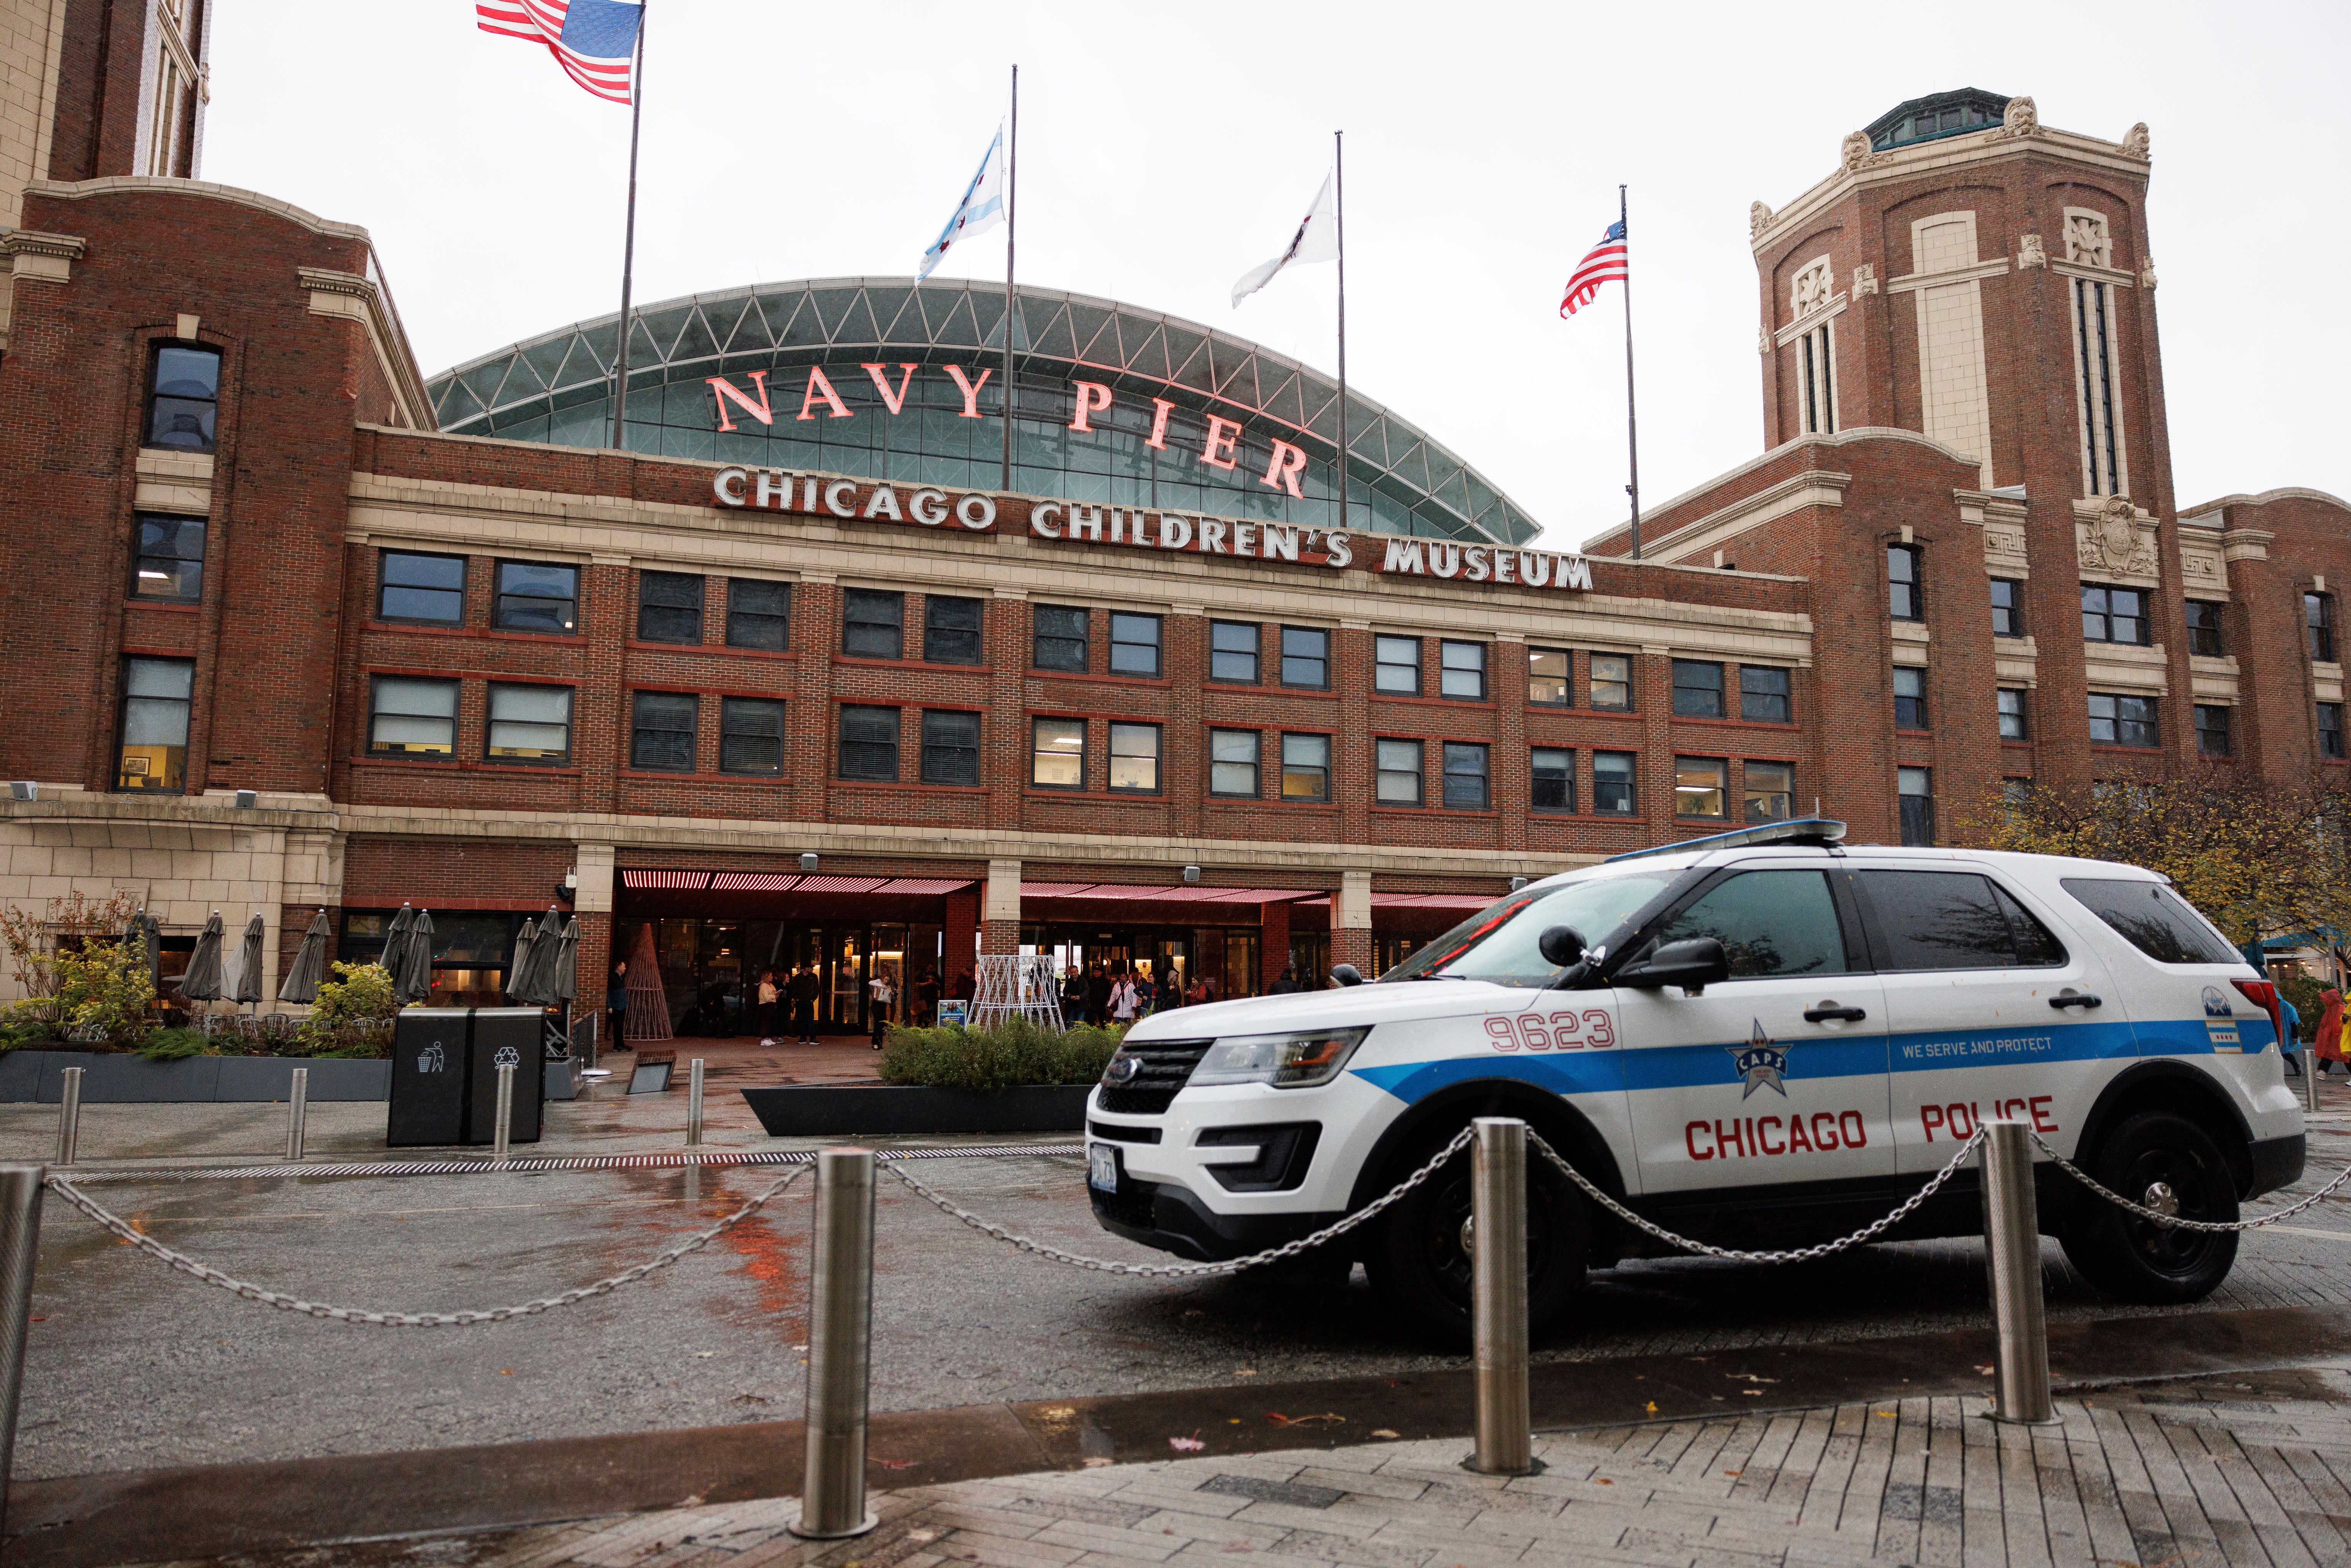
point(108, 1077)
point(817, 1110)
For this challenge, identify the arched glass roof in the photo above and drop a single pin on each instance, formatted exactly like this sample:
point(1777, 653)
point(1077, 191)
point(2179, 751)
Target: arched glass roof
point(555, 388)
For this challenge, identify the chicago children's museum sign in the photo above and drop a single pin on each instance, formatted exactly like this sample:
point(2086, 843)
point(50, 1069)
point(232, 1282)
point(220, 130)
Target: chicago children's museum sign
point(976, 511)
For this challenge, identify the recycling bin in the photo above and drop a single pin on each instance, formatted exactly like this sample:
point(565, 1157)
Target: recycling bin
point(507, 1037)
point(431, 1057)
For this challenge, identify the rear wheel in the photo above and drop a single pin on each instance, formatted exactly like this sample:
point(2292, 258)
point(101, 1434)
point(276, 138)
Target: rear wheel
point(1421, 1272)
point(2161, 1161)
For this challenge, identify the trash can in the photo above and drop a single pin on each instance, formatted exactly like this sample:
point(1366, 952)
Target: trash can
point(509, 1037)
point(430, 1056)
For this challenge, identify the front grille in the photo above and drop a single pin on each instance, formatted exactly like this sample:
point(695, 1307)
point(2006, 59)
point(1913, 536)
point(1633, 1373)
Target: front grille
point(1112, 1133)
point(1165, 1065)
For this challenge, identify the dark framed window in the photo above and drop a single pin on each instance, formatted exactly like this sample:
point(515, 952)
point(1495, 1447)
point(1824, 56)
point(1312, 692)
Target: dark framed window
point(1554, 773)
point(1306, 767)
point(2011, 714)
point(429, 589)
point(410, 717)
point(1056, 753)
point(1306, 657)
point(661, 733)
point(2007, 607)
point(1929, 920)
point(873, 624)
point(2212, 721)
point(1133, 644)
point(156, 697)
point(1135, 759)
point(1057, 638)
point(2114, 615)
point(537, 596)
point(1550, 678)
point(1461, 673)
point(1763, 694)
point(950, 747)
point(1611, 681)
point(2330, 730)
point(183, 404)
point(951, 633)
point(869, 741)
point(2204, 628)
point(1468, 776)
point(1904, 600)
point(529, 724)
point(1232, 651)
point(751, 736)
point(1771, 925)
point(1697, 689)
point(1914, 790)
point(759, 614)
point(168, 559)
point(1232, 762)
point(1699, 786)
point(2318, 621)
point(1770, 790)
point(1613, 784)
point(1395, 665)
point(2116, 720)
point(1910, 697)
point(1399, 781)
point(669, 607)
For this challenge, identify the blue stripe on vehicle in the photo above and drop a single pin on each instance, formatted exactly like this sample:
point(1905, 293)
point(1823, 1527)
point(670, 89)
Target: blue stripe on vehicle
point(1574, 1072)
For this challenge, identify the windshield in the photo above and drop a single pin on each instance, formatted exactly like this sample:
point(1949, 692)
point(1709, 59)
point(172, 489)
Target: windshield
point(1498, 944)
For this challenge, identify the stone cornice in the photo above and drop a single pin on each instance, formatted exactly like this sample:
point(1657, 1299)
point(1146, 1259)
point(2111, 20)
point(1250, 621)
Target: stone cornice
point(368, 304)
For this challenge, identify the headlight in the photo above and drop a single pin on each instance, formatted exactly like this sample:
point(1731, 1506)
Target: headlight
point(1284, 1061)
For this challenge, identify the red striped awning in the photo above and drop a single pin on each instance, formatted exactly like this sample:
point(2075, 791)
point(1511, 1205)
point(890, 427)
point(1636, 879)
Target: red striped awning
point(1052, 889)
point(753, 881)
point(677, 881)
point(840, 883)
point(924, 884)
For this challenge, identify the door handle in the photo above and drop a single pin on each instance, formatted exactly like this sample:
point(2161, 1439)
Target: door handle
point(1828, 1011)
point(2075, 1000)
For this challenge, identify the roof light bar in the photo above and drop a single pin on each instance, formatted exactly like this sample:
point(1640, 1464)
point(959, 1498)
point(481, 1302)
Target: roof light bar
point(1819, 830)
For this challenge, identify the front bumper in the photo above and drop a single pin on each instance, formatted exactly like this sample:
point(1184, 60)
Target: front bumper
point(1171, 1218)
point(2276, 1163)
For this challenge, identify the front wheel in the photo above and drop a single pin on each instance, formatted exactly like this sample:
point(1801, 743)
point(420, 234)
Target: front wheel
point(1421, 1272)
point(2161, 1161)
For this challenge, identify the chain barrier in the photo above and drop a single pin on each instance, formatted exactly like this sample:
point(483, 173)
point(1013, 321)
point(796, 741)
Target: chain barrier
point(2173, 1221)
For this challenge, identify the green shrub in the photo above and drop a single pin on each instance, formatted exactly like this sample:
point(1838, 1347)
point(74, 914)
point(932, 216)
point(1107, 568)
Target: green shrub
point(1009, 1054)
point(177, 1045)
point(352, 1017)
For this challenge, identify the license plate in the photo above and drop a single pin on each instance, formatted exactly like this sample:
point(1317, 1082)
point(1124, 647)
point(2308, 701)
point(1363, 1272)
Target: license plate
point(1102, 1167)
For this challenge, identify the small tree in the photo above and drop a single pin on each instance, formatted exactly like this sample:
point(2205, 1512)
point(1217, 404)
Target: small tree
point(350, 1007)
point(36, 944)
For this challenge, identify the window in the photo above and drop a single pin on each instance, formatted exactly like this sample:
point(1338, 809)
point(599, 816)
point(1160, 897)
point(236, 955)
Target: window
point(1463, 674)
point(1466, 774)
point(1613, 784)
point(1306, 767)
point(530, 724)
point(1232, 762)
point(1554, 779)
point(1135, 759)
point(2153, 919)
point(1056, 749)
point(155, 697)
point(751, 736)
point(185, 404)
point(2212, 721)
point(2007, 607)
point(1951, 920)
point(2114, 615)
point(537, 596)
point(1910, 697)
point(2098, 397)
point(869, 740)
point(1400, 773)
point(950, 747)
point(168, 564)
point(661, 736)
point(1698, 786)
point(2203, 629)
point(1762, 694)
point(1903, 600)
point(1914, 789)
point(1611, 682)
point(2330, 729)
point(2012, 713)
point(950, 630)
point(1771, 924)
point(1816, 384)
point(1697, 689)
point(413, 718)
point(2122, 721)
point(1548, 677)
point(1232, 651)
point(1770, 790)
point(759, 614)
point(1133, 644)
point(669, 607)
point(873, 625)
point(1306, 657)
point(1057, 639)
point(1395, 665)
point(2318, 616)
point(426, 588)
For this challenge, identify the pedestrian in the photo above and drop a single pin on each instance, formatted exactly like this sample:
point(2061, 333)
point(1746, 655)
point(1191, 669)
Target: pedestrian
point(883, 994)
point(1146, 997)
point(1122, 1001)
point(616, 1003)
point(768, 993)
point(1196, 992)
point(2326, 1046)
point(965, 984)
point(2290, 1047)
point(1286, 982)
point(803, 990)
point(1098, 993)
point(1074, 996)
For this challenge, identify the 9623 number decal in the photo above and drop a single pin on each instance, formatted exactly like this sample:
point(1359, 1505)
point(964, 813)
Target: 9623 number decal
point(1552, 1031)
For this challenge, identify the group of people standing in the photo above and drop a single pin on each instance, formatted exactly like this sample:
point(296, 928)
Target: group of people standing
point(1122, 994)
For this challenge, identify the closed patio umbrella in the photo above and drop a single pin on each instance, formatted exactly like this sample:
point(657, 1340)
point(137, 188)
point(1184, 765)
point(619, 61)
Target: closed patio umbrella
point(202, 983)
point(309, 964)
point(414, 982)
point(147, 932)
point(564, 984)
point(251, 966)
point(395, 942)
point(520, 979)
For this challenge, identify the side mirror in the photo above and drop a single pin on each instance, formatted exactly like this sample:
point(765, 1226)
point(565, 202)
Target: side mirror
point(1693, 964)
point(1561, 945)
point(1347, 974)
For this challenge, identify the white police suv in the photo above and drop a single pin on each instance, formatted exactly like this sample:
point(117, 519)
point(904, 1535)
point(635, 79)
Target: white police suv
point(1761, 1040)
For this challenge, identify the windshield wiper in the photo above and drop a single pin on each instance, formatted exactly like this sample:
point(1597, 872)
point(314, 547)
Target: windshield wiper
point(1432, 976)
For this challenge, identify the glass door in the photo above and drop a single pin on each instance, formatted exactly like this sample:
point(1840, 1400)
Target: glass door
point(845, 954)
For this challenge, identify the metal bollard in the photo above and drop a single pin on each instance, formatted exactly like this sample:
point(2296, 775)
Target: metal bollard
point(2310, 1076)
point(506, 1111)
point(2012, 1245)
point(20, 1236)
point(1497, 1243)
point(70, 1116)
point(297, 1112)
point(693, 1101)
point(840, 1329)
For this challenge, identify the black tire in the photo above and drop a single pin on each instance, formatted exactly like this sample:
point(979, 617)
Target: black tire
point(1422, 1275)
point(2137, 1259)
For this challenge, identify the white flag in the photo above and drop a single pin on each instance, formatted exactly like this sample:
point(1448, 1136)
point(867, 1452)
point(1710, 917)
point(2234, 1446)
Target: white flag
point(1317, 239)
point(982, 206)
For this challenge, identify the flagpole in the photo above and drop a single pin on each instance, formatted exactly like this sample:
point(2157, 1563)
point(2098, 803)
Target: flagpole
point(1011, 190)
point(629, 245)
point(1632, 427)
point(1339, 180)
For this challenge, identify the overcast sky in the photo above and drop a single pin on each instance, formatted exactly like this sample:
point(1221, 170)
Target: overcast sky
point(1165, 149)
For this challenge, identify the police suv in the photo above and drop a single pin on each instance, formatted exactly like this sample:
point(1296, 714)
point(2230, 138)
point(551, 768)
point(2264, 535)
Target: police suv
point(1763, 1040)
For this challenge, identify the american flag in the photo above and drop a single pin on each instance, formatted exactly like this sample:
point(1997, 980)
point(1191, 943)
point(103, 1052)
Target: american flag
point(593, 40)
point(1605, 264)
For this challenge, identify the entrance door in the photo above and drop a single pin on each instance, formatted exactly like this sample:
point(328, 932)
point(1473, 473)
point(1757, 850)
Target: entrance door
point(845, 974)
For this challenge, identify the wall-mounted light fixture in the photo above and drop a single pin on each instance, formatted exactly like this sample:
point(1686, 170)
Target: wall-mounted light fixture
point(808, 865)
point(1192, 873)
